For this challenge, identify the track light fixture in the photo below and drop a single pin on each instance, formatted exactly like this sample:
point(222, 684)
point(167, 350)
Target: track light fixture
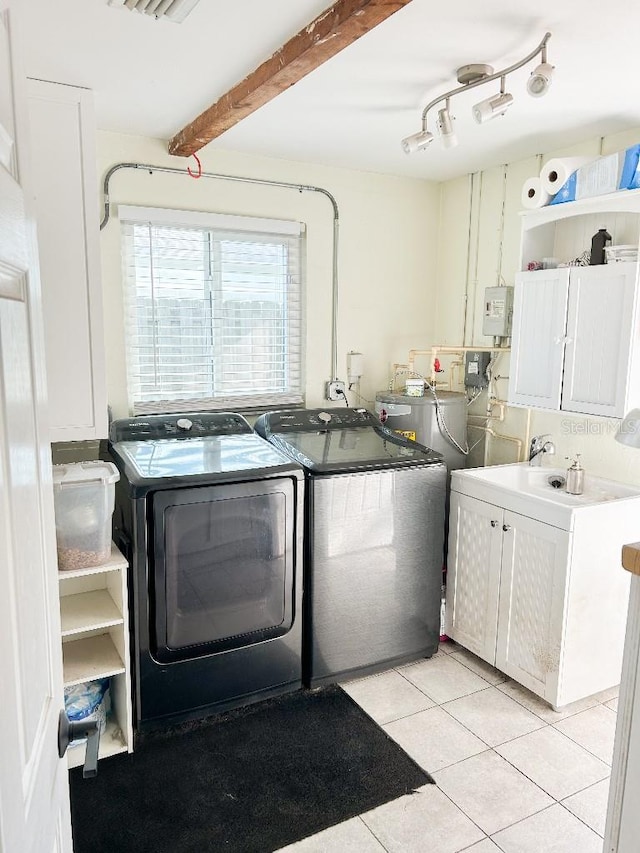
point(470, 76)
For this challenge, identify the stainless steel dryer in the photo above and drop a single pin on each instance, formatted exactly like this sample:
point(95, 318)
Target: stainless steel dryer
point(211, 518)
point(374, 540)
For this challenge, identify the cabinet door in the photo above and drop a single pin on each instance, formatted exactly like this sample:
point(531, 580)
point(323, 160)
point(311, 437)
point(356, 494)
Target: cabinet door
point(64, 170)
point(600, 334)
point(473, 574)
point(538, 338)
point(532, 600)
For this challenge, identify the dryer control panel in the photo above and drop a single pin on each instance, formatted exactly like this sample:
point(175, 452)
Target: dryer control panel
point(187, 425)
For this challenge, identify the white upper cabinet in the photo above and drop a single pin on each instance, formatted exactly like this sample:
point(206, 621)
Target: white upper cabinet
point(575, 339)
point(64, 178)
point(576, 330)
point(538, 338)
point(603, 343)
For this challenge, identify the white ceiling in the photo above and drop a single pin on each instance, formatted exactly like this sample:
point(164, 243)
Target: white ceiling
point(152, 77)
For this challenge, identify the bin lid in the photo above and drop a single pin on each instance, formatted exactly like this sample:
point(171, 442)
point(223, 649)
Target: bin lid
point(74, 473)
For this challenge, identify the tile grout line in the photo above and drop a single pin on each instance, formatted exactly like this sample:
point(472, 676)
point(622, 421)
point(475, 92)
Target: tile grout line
point(506, 680)
point(533, 782)
point(537, 811)
point(517, 769)
point(577, 817)
point(462, 811)
point(544, 724)
point(368, 828)
point(608, 763)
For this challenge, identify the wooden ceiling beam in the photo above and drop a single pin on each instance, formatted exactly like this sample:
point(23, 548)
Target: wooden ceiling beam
point(336, 28)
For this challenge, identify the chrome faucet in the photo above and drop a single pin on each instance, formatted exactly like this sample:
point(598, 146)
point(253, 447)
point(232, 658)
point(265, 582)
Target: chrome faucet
point(539, 446)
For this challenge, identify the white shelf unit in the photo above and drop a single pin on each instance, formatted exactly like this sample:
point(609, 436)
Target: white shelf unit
point(576, 331)
point(95, 644)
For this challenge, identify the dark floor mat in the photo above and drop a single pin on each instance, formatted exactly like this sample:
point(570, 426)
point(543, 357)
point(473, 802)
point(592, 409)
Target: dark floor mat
point(247, 781)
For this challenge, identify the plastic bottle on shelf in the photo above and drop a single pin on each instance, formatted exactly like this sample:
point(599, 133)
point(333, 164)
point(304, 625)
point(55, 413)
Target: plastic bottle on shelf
point(598, 243)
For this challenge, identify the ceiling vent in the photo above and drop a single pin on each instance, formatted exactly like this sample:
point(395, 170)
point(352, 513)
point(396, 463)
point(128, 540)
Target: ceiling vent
point(172, 10)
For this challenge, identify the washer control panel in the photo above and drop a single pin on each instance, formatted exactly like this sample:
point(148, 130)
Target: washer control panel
point(313, 420)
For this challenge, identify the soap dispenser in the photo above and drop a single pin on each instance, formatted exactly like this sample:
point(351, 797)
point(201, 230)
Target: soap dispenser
point(575, 477)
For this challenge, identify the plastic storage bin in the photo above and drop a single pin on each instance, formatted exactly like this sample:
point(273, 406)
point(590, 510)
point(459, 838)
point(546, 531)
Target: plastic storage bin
point(84, 495)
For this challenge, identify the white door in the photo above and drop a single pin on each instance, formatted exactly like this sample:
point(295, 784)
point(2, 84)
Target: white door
point(532, 595)
point(600, 334)
point(473, 574)
point(538, 338)
point(34, 799)
point(623, 820)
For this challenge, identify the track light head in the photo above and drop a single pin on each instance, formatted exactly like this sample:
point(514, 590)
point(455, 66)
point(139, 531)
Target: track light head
point(491, 107)
point(540, 80)
point(445, 127)
point(417, 141)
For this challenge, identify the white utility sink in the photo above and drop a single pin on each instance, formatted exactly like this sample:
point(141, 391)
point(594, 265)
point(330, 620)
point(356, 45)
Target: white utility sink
point(529, 491)
point(525, 478)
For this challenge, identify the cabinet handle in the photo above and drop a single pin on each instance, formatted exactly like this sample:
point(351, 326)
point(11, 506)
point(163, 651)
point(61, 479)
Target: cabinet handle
point(494, 523)
point(506, 527)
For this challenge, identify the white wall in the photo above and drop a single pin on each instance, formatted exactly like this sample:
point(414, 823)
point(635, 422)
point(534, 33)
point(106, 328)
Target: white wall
point(386, 262)
point(479, 247)
point(414, 259)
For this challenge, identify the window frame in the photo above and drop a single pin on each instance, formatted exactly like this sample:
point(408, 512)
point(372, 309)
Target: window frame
point(216, 226)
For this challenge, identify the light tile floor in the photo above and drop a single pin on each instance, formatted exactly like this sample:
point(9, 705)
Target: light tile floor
point(511, 774)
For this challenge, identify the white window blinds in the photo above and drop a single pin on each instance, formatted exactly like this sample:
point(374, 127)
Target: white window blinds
point(214, 316)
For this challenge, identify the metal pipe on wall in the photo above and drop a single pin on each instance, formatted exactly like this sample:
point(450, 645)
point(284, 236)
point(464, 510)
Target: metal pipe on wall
point(490, 431)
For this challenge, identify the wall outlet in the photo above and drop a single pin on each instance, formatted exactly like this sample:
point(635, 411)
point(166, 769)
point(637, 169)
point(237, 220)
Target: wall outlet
point(334, 390)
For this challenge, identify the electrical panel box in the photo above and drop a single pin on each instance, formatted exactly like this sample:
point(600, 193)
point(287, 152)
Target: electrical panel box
point(498, 312)
point(475, 369)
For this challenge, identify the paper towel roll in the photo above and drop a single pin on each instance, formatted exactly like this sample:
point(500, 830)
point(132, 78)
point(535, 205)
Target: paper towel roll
point(557, 170)
point(533, 195)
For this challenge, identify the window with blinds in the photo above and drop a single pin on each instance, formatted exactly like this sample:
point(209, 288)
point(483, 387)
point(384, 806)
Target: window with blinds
point(214, 316)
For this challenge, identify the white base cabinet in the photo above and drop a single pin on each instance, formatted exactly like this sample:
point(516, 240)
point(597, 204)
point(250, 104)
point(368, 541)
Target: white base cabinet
point(95, 644)
point(545, 605)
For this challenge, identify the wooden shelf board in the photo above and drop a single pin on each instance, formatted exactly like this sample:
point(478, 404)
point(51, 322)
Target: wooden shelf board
point(115, 562)
point(87, 611)
point(89, 659)
point(111, 743)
